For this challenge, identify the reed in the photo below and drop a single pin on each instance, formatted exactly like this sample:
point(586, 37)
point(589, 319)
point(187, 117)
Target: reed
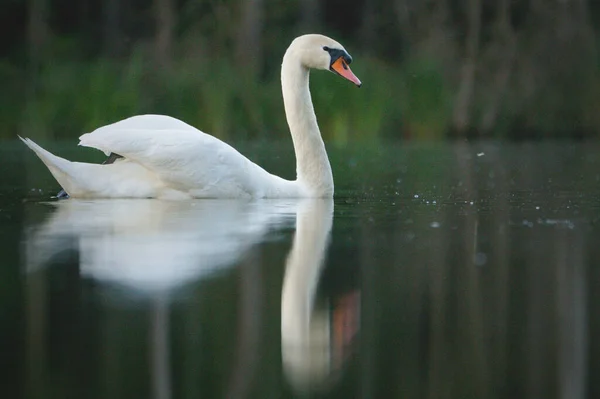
point(411, 100)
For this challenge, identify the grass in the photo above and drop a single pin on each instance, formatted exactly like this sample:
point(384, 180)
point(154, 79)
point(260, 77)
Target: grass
point(414, 100)
point(69, 97)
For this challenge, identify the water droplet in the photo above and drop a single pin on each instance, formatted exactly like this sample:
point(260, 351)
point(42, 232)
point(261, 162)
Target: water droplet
point(527, 223)
point(480, 259)
point(435, 225)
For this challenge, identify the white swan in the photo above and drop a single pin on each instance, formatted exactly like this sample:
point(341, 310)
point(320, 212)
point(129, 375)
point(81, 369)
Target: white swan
point(167, 158)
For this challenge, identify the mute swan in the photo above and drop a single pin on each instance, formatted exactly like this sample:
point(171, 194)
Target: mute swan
point(163, 157)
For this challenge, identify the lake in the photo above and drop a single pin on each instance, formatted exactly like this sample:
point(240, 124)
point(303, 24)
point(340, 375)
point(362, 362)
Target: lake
point(456, 270)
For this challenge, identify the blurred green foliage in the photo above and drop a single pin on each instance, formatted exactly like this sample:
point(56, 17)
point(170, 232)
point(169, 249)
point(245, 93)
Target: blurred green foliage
point(430, 70)
point(74, 97)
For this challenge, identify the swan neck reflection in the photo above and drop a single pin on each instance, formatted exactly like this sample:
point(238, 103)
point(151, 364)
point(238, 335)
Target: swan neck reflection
point(305, 331)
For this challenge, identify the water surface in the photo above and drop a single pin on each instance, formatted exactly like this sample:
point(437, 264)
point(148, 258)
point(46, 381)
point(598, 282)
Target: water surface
point(451, 271)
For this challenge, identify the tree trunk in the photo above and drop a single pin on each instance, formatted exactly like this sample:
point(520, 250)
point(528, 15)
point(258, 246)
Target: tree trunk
point(248, 51)
point(310, 15)
point(504, 47)
point(110, 32)
point(403, 11)
point(368, 29)
point(37, 36)
point(163, 41)
point(464, 97)
point(420, 20)
point(37, 31)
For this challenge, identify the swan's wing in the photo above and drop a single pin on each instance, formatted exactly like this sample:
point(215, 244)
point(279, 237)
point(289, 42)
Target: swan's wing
point(148, 122)
point(162, 123)
point(185, 159)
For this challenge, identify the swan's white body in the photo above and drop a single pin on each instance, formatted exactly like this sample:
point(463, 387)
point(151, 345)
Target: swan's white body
point(164, 158)
point(167, 158)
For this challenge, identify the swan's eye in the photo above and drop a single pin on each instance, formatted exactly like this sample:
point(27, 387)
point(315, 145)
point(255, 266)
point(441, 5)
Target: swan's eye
point(336, 54)
point(326, 48)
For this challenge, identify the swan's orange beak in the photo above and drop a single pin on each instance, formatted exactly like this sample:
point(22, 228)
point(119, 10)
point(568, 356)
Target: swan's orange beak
point(341, 68)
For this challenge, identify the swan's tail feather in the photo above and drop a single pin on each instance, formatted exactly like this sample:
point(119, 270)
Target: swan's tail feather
point(62, 169)
point(121, 179)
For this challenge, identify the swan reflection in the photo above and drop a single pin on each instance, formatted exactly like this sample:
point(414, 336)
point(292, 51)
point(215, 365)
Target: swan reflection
point(314, 342)
point(152, 248)
point(151, 245)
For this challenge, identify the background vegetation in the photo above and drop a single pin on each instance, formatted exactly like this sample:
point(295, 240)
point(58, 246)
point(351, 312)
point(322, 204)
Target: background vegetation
point(431, 68)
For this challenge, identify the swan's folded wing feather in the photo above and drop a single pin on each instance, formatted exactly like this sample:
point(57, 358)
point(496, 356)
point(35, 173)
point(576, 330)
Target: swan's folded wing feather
point(148, 122)
point(153, 123)
point(184, 159)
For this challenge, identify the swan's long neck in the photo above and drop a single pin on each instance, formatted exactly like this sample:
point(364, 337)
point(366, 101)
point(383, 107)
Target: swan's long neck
point(312, 165)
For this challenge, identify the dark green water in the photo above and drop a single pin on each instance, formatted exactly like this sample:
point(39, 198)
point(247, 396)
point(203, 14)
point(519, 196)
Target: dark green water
point(439, 271)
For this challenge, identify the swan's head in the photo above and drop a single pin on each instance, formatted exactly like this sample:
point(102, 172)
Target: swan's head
point(321, 52)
